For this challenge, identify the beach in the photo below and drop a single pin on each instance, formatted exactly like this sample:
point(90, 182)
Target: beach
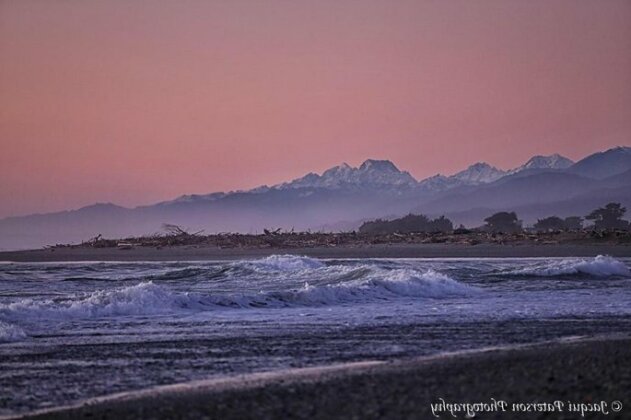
point(342, 210)
point(202, 253)
point(287, 336)
point(572, 375)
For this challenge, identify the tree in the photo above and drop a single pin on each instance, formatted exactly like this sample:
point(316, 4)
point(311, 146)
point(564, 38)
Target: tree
point(550, 223)
point(407, 224)
point(573, 223)
point(441, 224)
point(503, 222)
point(462, 230)
point(556, 223)
point(609, 217)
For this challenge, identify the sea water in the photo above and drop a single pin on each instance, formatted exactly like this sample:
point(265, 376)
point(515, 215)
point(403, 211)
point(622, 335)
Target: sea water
point(71, 331)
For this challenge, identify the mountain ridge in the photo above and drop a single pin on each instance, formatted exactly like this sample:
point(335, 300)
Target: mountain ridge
point(375, 188)
point(380, 172)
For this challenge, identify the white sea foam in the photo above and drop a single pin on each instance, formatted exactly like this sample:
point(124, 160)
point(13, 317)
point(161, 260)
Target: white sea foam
point(382, 285)
point(600, 266)
point(286, 263)
point(148, 298)
point(10, 332)
point(141, 299)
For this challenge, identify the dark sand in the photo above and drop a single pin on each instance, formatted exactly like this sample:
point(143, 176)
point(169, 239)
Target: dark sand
point(198, 253)
point(588, 371)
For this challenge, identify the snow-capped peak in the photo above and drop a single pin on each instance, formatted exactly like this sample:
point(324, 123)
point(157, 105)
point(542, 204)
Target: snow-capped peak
point(555, 161)
point(371, 173)
point(341, 171)
point(479, 173)
point(439, 183)
point(378, 165)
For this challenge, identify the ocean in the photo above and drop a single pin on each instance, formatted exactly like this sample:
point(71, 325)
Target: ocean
point(72, 331)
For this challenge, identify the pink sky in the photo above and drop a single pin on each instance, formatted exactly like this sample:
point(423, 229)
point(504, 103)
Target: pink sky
point(137, 101)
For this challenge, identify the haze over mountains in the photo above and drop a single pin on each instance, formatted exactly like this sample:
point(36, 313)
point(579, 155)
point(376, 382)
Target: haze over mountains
point(342, 196)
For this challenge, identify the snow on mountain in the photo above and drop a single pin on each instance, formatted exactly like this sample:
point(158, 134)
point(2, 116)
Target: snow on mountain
point(439, 183)
point(382, 174)
point(479, 173)
point(476, 174)
point(483, 173)
point(370, 174)
point(555, 161)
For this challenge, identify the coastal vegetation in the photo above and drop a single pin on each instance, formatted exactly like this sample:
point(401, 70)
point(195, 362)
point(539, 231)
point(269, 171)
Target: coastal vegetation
point(609, 217)
point(499, 228)
point(412, 223)
point(557, 223)
point(503, 222)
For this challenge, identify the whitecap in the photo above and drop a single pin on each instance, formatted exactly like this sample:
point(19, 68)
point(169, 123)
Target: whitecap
point(600, 266)
point(148, 298)
point(141, 299)
point(377, 285)
point(384, 285)
point(286, 263)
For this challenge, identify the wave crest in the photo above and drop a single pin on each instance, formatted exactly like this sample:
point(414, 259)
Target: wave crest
point(151, 299)
point(397, 283)
point(380, 285)
point(286, 263)
point(141, 299)
point(600, 266)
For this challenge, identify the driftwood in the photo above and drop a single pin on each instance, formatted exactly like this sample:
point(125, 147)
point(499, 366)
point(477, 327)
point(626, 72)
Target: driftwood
point(175, 230)
point(176, 236)
point(272, 232)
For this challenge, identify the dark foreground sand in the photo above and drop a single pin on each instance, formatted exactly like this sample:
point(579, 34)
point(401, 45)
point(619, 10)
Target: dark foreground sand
point(573, 373)
point(198, 253)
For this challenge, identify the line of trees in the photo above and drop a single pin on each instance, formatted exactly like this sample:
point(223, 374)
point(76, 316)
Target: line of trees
point(557, 223)
point(412, 223)
point(604, 218)
point(505, 222)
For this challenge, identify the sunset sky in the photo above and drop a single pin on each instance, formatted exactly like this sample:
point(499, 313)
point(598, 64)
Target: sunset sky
point(136, 101)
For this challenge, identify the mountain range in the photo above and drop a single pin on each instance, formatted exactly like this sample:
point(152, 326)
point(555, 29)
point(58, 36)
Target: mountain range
point(343, 196)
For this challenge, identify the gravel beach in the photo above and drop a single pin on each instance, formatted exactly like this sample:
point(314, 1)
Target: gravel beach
point(573, 378)
point(200, 253)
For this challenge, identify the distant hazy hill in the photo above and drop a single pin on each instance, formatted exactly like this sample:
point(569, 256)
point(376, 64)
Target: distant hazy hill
point(604, 164)
point(343, 196)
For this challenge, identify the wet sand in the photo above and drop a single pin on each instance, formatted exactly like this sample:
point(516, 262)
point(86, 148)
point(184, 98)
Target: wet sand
point(200, 253)
point(577, 372)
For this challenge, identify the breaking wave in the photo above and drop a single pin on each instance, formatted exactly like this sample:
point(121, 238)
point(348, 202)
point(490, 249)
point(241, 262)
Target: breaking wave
point(600, 266)
point(286, 263)
point(148, 298)
point(141, 299)
point(404, 283)
point(377, 286)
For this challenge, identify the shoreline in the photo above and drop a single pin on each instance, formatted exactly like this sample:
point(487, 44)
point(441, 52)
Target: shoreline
point(209, 253)
point(562, 370)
